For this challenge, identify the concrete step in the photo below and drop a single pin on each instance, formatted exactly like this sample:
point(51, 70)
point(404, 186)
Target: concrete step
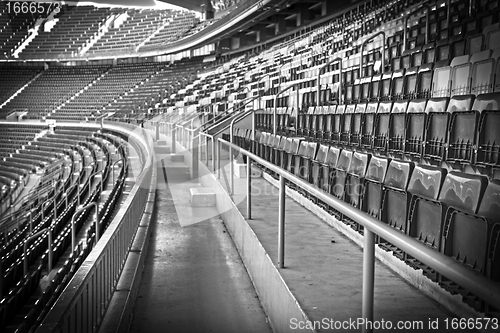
point(162, 149)
point(176, 171)
point(177, 157)
point(202, 197)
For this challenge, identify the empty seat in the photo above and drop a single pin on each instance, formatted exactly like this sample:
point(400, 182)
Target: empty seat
point(426, 212)
point(395, 200)
point(371, 200)
point(415, 128)
point(466, 234)
point(437, 125)
point(483, 72)
point(381, 127)
point(354, 185)
point(463, 129)
point(338, 176)
point(322, 179)
point(397, 128)
point(488, 139)
point(368, 125)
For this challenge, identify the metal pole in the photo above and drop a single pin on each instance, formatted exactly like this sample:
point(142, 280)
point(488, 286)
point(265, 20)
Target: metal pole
point(213, 153)
point(368, 278)
point(231, 170)
point(218, 159)
point(281, 224)
point(249, 188)
point(49, 267)
point(173, 140)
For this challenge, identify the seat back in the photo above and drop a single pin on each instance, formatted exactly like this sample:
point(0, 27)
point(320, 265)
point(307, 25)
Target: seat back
point(463, 191)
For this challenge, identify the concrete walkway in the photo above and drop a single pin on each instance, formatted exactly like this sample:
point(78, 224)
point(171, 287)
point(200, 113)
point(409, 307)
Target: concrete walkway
point(193, 280)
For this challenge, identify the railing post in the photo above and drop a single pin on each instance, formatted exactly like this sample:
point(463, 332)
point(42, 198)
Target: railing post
point(196, 152)
point(231, 170)
point(281, 226)
point(249, 188)
point(51, 255)
point(173, 140)
point(218, 158)
point(213, 153)
point(368, 278)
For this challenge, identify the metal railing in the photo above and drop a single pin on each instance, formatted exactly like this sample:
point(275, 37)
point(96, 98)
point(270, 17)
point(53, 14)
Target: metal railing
point(475, 282)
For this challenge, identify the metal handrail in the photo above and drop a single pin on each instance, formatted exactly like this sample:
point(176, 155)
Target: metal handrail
point(475, 282)
point(339, 59)
point(427, 16)
point(368, 40)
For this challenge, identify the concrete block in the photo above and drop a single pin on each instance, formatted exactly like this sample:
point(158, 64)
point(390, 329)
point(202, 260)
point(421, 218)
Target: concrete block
point(177, 158)
point(202, 197)
point(240, 170)
point(162, 149)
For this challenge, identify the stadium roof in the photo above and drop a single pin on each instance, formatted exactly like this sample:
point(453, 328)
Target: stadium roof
point(196, 5)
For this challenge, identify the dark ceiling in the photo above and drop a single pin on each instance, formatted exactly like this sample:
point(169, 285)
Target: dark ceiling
point(189, 4)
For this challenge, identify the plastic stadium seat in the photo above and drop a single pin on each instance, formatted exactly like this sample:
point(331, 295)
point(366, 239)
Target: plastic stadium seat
point(282, 148)
point(395, 200)
point(488, 138)
point(336, 123)
point(425, 219)
point(463, 129)
point(368, 125)
point(483, 72)
point(381, 127)
point(316, 163)
point(346, 126)
point(371, 200)
point(337, 178)
point(292, 153)
point(357, 123)
point(397, 128)
point(437, 125)
point(354, 184)
point(415, 128)
point(297, 158)
point(466, 234)
point(321, 169)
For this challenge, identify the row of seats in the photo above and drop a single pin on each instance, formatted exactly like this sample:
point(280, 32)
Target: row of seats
point(451, 212)
point(460, 130)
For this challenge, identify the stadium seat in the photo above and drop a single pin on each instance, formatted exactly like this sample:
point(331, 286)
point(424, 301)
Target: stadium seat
point(354, 185)
point(488, 138)
point(371, 199)
point(395, 201)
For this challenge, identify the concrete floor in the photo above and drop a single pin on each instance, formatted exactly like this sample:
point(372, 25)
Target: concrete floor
point(193, 280)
